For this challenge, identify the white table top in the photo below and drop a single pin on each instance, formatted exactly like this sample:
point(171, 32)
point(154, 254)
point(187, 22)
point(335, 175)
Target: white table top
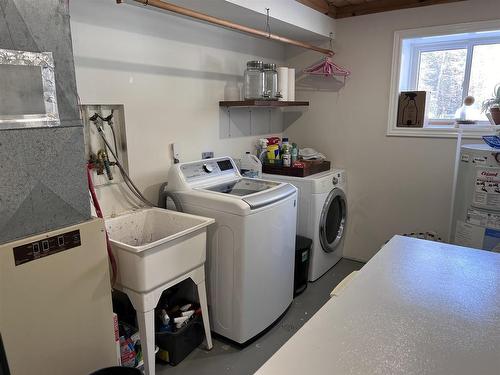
point(417, 307)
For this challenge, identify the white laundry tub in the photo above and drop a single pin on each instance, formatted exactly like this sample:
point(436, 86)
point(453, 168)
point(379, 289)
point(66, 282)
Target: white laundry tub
point(153, 246)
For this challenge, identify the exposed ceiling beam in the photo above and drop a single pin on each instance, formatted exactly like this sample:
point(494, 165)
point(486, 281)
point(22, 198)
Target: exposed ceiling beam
point(377, 6)
point(319, 5)
point(361, 7)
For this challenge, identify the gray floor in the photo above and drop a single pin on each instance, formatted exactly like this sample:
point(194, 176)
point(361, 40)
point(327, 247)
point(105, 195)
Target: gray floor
point(226, 359)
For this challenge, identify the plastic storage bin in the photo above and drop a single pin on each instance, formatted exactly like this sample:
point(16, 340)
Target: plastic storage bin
point(302, 255)
point(175, 346)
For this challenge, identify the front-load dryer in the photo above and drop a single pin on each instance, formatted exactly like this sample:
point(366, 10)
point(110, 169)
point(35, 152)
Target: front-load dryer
point(321, 216)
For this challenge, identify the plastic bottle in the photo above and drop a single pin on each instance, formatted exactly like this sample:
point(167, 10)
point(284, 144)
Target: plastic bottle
point(251, 166)
point(273, 153)
point(262, 149)
point(294, 153)
point(286, 154)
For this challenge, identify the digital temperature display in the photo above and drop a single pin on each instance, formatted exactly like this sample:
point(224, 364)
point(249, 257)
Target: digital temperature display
point(225, 165)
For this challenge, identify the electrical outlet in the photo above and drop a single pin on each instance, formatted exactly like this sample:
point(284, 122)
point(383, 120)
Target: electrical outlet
point(207, 155)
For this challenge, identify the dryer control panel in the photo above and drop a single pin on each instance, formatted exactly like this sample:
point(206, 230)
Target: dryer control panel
point(338, 178)
point(209, 168)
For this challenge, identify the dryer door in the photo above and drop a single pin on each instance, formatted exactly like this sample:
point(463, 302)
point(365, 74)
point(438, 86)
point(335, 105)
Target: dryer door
point(333, 220)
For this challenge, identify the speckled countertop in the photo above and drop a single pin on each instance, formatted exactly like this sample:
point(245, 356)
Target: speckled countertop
point(417, 307)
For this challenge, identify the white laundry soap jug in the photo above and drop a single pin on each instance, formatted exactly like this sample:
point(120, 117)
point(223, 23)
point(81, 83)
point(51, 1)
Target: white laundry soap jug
point(251, 166)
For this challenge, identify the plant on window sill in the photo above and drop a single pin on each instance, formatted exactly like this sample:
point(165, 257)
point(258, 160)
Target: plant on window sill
point(493, 105)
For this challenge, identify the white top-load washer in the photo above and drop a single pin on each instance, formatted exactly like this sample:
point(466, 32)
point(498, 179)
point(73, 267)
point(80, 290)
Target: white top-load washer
point(250, 248)
point(322, 216)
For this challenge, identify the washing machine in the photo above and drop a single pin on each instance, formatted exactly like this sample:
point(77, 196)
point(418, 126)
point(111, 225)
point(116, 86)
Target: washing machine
point(321, 216)
point(250, 248)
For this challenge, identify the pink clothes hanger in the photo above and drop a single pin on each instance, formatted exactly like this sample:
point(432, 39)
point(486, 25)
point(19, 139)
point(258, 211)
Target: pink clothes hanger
point(326, 67)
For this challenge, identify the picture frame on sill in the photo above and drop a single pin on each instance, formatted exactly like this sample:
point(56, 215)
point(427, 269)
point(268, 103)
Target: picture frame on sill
point(411, 109)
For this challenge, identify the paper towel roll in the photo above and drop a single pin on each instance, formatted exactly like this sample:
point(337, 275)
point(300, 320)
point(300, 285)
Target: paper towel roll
point(291, 84)
point(283, 83)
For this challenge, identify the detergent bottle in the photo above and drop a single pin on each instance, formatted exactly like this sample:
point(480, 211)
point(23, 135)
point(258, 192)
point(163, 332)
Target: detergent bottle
point(251, 166)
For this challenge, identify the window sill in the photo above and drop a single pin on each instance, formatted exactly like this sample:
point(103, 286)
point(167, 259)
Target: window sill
point(442, 132)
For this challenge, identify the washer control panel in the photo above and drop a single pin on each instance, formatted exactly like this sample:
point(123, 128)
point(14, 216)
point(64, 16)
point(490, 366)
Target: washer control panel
point(208, 168)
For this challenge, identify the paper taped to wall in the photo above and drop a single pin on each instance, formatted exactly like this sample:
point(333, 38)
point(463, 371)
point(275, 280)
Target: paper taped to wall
point(476, 236)
point(469, 235)
point(483, 219)
point(487, 188)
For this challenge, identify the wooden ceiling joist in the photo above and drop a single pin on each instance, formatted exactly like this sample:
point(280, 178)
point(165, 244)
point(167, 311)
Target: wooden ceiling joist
point(378, 6)
point(351, 8)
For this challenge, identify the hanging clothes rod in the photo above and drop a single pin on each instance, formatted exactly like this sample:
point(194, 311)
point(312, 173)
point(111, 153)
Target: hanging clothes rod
point(228, 24)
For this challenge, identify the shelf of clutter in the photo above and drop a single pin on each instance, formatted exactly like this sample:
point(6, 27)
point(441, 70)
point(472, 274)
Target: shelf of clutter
point(262, 103)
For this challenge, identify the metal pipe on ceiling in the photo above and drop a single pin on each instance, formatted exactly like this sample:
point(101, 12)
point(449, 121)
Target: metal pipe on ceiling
point(228, 24)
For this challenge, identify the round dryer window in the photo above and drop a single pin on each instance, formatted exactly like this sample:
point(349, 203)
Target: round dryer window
point(333, 220)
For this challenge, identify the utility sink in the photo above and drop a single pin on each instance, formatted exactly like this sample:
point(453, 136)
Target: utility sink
point(153, 246)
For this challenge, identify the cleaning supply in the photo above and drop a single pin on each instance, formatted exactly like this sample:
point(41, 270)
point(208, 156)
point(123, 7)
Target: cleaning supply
point(295, 152)
point(181, 321)
point(262, 149)
point(286, 154)
point(188, 313)
point(273, 153)
point(251, 166)
point(273, 141)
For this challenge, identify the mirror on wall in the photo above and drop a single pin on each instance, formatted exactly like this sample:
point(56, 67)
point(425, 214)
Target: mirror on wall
point(28, 90)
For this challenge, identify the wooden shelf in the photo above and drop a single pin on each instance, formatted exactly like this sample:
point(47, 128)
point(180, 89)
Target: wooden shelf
point(262, 103)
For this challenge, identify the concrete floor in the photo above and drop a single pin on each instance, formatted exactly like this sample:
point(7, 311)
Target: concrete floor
point(227, 359)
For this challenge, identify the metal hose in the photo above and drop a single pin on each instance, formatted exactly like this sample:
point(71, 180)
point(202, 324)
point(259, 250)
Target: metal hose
point(126, 178)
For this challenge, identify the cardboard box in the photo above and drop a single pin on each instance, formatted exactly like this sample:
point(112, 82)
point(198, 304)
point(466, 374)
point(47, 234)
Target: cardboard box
point(412, 109)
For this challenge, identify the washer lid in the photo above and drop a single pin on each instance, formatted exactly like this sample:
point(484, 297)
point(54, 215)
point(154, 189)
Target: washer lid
point(243, 186)
point(255, 193)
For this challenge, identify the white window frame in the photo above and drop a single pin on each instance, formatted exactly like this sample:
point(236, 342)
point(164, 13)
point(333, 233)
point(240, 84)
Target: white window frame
point(437, 129)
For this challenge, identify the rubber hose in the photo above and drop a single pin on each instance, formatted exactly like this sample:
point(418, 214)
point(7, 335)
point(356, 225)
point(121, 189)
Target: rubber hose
point(164, 195)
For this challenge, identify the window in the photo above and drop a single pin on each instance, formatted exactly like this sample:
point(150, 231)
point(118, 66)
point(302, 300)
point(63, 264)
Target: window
point(449, 63)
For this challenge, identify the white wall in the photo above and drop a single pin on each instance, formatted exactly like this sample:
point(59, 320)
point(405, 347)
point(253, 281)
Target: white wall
point(294, 13)
point(169, 72)
point(396, 185)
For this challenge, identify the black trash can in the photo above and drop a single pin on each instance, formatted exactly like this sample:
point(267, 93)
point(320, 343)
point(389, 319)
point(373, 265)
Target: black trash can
point(116, 370)
point(302, 254)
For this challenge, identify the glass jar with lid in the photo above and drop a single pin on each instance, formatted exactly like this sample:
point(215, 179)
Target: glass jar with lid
point(254, 80)
point(270, 81)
